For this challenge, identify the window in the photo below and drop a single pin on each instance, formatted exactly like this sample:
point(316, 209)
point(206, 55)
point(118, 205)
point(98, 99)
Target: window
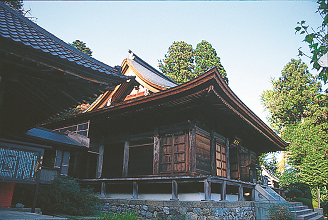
point(221, 159)
point(80, 128)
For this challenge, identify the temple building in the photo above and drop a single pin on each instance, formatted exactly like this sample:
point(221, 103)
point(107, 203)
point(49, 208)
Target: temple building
point(153, 139)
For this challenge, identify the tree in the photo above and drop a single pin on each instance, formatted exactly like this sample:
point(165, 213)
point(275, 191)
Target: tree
point(80, 45)
point(178, 63)
point(292, 95)
point(308, 153)
point(15, 4)
point(206, 58)
point(182, 63)
point(317, 39)
point(299, 113)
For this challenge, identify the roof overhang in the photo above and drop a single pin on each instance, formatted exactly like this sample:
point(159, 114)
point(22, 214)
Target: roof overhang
point(209, 91)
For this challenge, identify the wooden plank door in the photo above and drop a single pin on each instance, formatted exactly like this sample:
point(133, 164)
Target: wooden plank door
point(244, 161)
point(173, 153)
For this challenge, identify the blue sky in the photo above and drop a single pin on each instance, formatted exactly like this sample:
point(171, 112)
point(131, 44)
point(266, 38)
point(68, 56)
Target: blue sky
point(254, 39)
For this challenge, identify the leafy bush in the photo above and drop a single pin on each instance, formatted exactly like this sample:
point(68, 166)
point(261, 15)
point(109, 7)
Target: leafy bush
point(65, 196)
point(299, 190)
point(279, 212)
point(305, 201)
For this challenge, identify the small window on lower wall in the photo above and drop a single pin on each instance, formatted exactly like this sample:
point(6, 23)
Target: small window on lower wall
point(221, 160)
point(141, 157)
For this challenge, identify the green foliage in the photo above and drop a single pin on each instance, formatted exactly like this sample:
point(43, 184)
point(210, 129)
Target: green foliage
point(125, 216)
point(299, 112)
point(15, 4)
point(292, 94)
point(182, 63)
point(279, 212)
point(317, 39)
point(288, 177)
point(65, 196)
point(206, 58)
point(308, 152)
point(178, 62)
point(305, 201)
point(80, 45)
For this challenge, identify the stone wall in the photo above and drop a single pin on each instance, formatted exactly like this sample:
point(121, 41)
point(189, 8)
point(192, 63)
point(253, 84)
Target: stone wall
point(149, 209)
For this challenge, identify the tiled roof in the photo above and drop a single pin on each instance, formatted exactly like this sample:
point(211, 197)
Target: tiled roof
point(19, 28)
point(49, 135)
point(149, 72)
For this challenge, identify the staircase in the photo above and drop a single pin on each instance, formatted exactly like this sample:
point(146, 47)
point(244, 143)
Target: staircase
point(301, 212)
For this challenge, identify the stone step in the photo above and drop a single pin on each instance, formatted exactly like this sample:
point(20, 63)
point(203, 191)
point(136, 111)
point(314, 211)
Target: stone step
point(302, 211)
point(308, 215)
point(293, 204)
point(297, 208)
point(318, 217)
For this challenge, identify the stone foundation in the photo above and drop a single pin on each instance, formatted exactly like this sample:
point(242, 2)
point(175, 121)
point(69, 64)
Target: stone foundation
point(150, 209)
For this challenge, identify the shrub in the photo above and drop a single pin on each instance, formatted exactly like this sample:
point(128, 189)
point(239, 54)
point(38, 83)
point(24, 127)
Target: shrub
point(305, 201)
point(65, 196)
point(279, 212)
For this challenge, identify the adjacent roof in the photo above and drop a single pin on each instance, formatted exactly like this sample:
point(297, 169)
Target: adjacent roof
point(144, 74)
point(53, 137)
point(20, 29)
point(42, 76)
point(207, 95)
point(147, 73)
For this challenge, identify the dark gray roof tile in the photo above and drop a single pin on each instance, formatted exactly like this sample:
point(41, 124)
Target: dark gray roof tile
point(18, 28)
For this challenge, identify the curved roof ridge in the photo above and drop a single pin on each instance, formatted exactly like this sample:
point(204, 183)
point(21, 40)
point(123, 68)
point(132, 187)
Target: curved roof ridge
point(149, 67)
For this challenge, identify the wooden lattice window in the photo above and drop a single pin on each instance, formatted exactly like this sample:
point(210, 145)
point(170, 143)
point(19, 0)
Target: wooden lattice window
point(173, 153)
point(221, 160)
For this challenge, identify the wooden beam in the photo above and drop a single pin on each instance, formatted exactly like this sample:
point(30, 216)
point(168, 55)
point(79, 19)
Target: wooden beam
point(224, 191)
point(135, 190)
point(156, 152)
point(207, 189)
point(228, 158)
point(126, 158)
point(174, 190)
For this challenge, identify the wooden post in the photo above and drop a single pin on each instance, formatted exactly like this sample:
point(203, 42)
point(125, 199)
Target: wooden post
point(100, 161)
point(126, 158)
point(240, 193)
point(207, 189)
point(224, 191)
point(156, 152)
point(213, 151)
point(228, 158)
point(174, 190)
point(192, 149)
point(135, 190)
point(103, 190)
